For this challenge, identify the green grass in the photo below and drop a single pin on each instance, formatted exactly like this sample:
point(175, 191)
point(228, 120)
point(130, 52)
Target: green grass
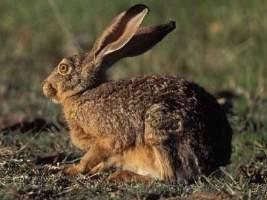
point(219, 44)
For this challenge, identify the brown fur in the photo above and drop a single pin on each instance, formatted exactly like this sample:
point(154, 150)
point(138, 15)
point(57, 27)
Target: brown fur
point(153, 126)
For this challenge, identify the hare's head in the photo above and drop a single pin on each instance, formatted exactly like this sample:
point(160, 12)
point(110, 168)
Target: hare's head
point(122, 38)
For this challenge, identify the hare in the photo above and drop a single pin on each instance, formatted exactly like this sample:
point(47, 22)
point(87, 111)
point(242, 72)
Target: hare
point(155, 127)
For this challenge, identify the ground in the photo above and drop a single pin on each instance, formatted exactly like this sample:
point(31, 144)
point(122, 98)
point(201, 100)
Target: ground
point(220, 45)
point(33, 154)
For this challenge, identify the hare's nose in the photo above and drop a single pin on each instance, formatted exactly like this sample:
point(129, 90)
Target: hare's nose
point(48, 89)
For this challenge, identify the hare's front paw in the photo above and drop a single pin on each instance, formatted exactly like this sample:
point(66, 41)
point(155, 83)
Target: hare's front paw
point(72, 170)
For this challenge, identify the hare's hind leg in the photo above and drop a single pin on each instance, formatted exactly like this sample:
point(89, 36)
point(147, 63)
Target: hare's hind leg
point(161, 127)
point(165, 131)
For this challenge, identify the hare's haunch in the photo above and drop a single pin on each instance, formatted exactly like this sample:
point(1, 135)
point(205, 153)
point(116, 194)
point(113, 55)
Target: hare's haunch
point(151, 127)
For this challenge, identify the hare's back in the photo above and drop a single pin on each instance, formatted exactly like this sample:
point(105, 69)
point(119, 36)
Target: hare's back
point(147, 90)
point(135, 96)
point(140, 93)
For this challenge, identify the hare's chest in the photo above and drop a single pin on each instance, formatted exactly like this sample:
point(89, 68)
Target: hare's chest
point(79, 137)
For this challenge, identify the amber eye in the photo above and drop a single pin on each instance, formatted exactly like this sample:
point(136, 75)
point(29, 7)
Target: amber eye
point(64, 69)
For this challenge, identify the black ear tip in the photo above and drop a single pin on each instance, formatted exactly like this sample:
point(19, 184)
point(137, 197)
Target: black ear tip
point(172, 25)
point(139, 7)
point(169, 26)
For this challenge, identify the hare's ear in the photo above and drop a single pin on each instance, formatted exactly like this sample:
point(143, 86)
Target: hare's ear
point(145, 38)
point(120, 31)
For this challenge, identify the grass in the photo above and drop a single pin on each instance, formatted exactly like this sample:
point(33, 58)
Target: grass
point(220, 45)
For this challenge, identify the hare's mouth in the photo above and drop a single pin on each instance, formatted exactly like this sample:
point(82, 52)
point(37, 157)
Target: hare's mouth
point(55, 100)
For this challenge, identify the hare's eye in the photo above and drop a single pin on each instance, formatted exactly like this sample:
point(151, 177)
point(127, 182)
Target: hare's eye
point(64, 69)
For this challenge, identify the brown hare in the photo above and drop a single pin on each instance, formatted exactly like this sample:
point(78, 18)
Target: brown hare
point(154, 126)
